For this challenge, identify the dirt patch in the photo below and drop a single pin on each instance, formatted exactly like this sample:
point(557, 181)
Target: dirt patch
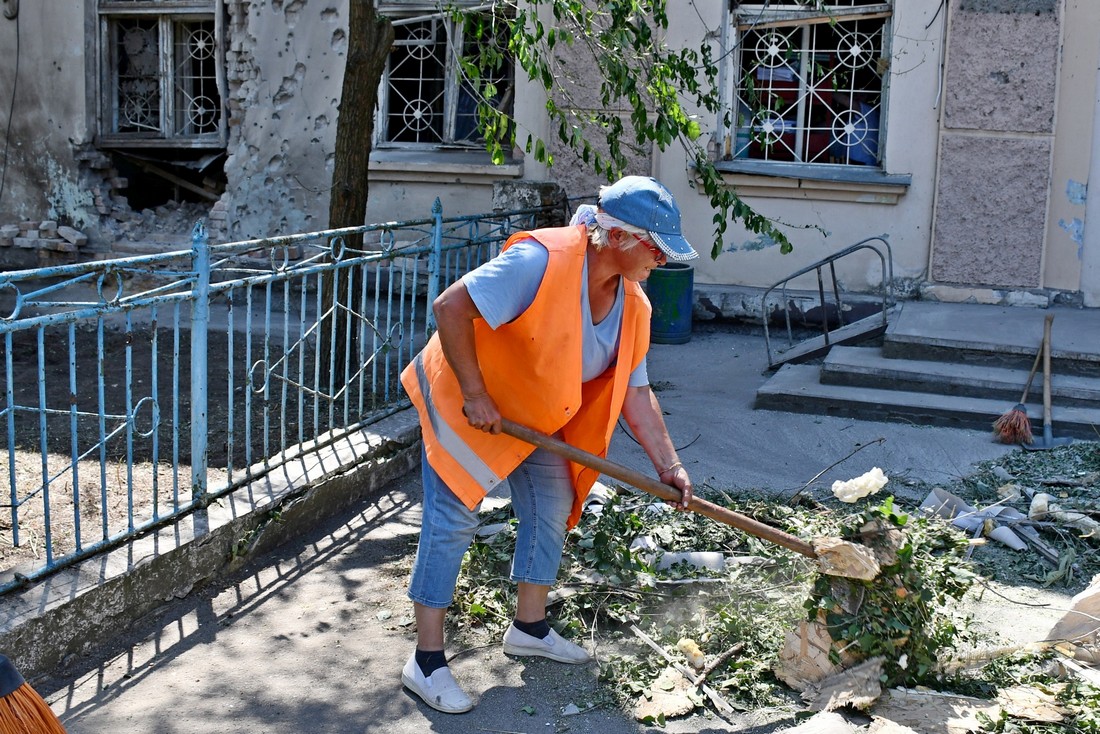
point(72, 391)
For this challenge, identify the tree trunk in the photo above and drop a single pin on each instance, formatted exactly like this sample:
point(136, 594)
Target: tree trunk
point(370, 37)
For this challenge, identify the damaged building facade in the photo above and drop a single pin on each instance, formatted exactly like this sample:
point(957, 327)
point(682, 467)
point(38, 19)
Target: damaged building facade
point(961, 132)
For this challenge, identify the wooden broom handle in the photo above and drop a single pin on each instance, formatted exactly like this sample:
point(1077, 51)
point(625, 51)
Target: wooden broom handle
point(1038, 358)
point(656, 488)
point(1046, 370)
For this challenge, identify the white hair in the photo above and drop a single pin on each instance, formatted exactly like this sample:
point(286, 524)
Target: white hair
point(600, 224)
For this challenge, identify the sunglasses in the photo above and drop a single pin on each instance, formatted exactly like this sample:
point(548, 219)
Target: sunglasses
point(658, 253)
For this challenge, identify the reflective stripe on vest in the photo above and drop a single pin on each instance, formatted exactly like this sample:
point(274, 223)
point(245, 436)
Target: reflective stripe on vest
point(449, 440)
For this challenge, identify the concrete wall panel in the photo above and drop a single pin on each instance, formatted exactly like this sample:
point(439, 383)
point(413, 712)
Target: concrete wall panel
point(45, 44)
point(991, 210)
point(1002, 65)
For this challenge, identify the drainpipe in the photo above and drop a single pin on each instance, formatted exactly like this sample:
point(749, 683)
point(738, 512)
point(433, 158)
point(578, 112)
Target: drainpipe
point(1090, 244)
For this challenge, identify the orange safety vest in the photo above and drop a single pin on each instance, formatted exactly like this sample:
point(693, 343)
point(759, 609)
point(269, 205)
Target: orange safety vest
point(532, 369)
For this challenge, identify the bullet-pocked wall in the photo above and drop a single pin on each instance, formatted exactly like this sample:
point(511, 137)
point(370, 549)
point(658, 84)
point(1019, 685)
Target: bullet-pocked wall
point(285, 62)
point(284, 66)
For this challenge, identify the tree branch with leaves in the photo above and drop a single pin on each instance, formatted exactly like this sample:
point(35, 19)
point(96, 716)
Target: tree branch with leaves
point(646, 90)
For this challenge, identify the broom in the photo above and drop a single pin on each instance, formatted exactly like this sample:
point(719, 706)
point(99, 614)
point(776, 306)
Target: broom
point(1014, 426)
point(22, 710)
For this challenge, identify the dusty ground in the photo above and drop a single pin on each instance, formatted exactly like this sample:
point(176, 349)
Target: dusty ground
point(311, 638)
point(326, 620)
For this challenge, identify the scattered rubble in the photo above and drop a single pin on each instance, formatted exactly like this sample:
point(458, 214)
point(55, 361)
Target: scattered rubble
point(53, 244)
point(1043, 506)
point(37, 244)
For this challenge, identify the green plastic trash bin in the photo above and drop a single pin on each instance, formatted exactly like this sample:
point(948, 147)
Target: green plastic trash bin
point(669, 288)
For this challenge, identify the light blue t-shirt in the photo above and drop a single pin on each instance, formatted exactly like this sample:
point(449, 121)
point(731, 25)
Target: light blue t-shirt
point(504, 287)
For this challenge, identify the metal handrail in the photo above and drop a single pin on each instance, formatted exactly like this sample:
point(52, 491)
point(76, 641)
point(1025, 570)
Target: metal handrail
point(887, 264)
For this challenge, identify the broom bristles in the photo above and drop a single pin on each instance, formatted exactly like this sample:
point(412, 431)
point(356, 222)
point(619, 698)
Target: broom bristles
point(23, 711)
point(1013, 426)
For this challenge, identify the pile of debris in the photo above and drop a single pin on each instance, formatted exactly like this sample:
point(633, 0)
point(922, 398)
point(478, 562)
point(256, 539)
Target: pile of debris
point(163, 228)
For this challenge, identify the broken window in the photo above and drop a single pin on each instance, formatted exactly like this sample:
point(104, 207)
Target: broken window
point(162, 73)
point(162, 99)
point(424, 99)
point(809, 81)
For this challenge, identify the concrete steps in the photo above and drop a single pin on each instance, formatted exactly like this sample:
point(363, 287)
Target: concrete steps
point(870, 367)
point(954, 365)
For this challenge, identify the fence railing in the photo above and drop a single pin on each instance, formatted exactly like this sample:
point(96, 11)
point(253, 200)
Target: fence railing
point(137, 390)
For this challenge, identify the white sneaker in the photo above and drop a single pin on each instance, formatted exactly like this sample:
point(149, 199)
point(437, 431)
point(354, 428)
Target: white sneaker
point(439, 690)
point(553, 646)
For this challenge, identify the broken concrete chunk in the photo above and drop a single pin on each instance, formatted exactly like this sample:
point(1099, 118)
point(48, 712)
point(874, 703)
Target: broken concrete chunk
point(885, 726)
point(71, 235)
point(842, 558)
point(9, 231)
point(1028, 702)
point(1079, 625)
point(883, 539)
point(826, 722)
point(670, 695)
point(57, 245)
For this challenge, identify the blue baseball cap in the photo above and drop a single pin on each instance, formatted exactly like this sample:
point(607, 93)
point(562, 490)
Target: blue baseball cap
point(644, 202)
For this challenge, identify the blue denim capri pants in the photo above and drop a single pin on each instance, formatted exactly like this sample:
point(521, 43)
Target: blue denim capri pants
point(542, 498)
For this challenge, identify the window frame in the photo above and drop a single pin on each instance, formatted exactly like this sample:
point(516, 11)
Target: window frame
point(768, 15)
point(455, 33)
point(109, 12)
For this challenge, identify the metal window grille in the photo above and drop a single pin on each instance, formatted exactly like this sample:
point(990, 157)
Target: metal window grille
point(810, 82)
point(425, 100)
point(416, 82)
point(163, 77)
point(197, 100)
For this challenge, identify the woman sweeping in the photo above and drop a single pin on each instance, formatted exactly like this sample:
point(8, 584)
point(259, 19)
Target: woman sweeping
point(553, 334)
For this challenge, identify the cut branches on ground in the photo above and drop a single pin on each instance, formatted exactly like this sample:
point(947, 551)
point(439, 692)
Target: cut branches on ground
point(637, 576)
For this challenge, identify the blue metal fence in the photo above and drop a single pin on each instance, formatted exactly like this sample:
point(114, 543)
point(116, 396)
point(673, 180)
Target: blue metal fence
point(137, 390)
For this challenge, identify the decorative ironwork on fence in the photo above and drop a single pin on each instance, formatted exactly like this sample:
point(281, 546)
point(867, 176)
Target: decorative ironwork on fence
point(137, 390)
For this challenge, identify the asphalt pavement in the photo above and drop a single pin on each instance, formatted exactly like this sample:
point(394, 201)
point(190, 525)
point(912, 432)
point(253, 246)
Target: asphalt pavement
point(312, 637)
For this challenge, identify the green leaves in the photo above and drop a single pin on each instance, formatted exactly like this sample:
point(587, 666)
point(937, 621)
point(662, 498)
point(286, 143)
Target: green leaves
point(903, 614)
point(646, 91)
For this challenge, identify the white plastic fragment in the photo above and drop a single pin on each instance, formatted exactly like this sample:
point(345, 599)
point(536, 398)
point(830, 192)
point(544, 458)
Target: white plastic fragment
point(861, 486)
